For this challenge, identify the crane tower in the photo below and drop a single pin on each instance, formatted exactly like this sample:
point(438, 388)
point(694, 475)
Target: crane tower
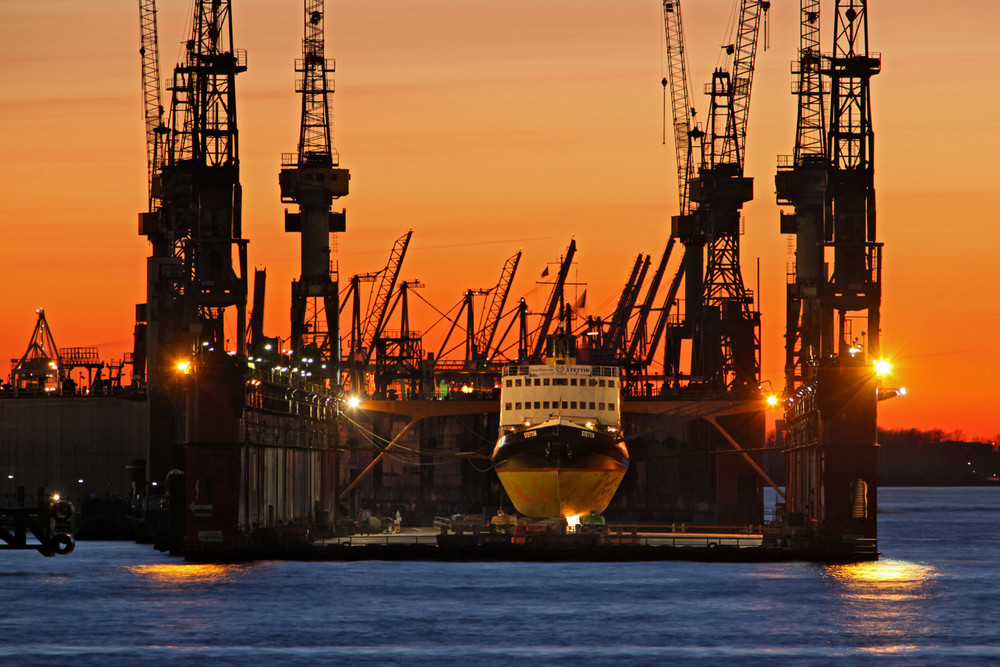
point(194, 221)
point(312, 179)
point(720, 321)
point(834, 292)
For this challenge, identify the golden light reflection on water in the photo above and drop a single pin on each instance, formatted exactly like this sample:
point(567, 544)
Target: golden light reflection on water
point(883, 603)
point(184, 573)
point(886, 573)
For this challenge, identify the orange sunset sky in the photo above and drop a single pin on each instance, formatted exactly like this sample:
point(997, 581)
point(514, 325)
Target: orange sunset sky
point(492, 127)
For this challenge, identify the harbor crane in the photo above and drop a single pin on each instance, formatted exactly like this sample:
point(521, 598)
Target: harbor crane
point(831, 367)
point(312, 178)
point(366, 331)
point(720, 321)
point(196, 272)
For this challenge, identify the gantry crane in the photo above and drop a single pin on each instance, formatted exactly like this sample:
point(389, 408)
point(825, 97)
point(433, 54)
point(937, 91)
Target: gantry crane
point(719, 319)
point(312, 179)
point(831, 383)
point(194, 221)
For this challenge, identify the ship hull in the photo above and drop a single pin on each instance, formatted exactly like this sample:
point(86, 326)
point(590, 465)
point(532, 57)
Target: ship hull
point(560, 469)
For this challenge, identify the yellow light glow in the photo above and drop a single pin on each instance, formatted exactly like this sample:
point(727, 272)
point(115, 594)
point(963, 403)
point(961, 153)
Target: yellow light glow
point(353, 401)
point(882, 367)
point(573, 521)
point(184, 573)
point(772, 400)
point(184, 367)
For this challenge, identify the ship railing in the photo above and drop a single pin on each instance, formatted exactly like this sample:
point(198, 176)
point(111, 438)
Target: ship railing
point(595, 371)
point(682, 540)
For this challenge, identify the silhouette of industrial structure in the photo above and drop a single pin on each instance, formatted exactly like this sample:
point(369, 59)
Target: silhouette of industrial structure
point(268, 439)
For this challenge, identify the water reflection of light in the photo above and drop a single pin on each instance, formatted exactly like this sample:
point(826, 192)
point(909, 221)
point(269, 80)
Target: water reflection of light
point(171, 573)
point(882, 574)
point(884, 604)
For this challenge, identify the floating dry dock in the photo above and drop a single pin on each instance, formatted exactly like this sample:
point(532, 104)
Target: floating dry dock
point(618, 544)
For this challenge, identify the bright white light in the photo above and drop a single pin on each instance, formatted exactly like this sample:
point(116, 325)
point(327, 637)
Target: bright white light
point(353, 401)
point(882, 367)
point(772, 400)
point(902, 391)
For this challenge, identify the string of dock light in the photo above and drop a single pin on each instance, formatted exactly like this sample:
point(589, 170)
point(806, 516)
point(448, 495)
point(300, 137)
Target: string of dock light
point(882, 367)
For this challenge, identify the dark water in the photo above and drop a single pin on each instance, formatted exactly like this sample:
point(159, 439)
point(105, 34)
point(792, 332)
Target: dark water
point(933, 599)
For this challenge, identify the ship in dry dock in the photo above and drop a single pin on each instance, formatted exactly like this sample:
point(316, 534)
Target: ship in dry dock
point(560, 451)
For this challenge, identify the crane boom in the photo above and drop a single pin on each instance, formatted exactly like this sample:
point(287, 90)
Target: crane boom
point(614, 340)
point(639, 331)
point(744, 56)
point(376, 317)
point(315, 142)
point(680, 99)
point(554, 299)
point(484, 339)
point(810, 130)
point(151, 95)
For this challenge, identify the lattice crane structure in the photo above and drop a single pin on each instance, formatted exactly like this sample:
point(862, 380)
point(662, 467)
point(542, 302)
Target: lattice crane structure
point(834, 292)
point(312, 179)
point(720, 320)
point(196, 272)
